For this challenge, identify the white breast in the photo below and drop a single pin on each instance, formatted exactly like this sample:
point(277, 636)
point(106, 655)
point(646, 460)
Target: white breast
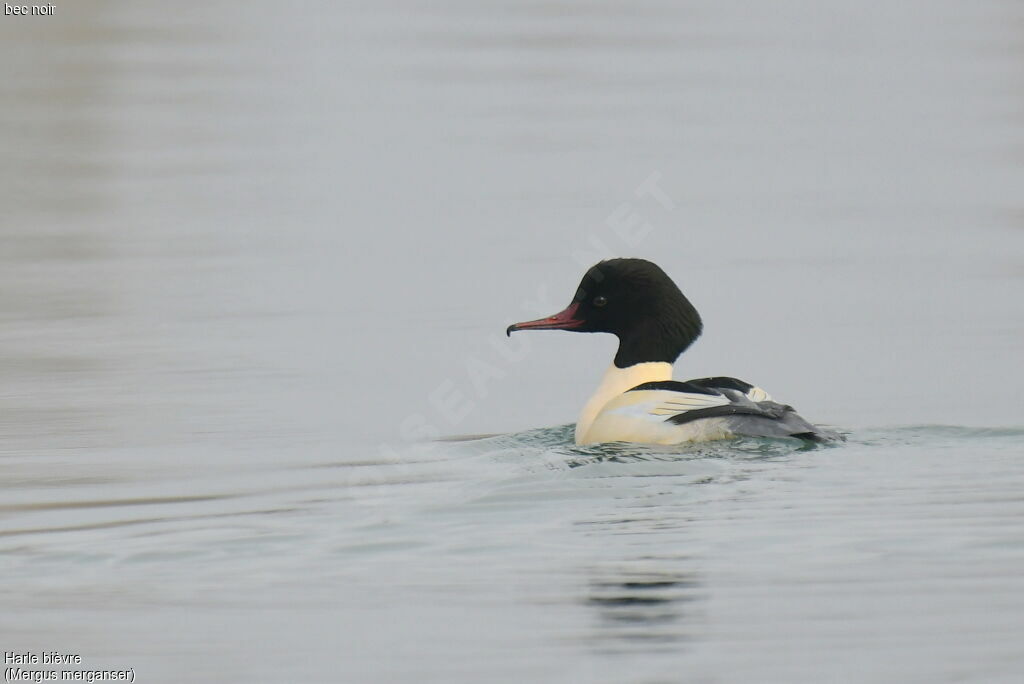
point(616, 381)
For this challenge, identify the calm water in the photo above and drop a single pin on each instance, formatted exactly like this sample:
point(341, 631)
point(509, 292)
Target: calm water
point(257, 257)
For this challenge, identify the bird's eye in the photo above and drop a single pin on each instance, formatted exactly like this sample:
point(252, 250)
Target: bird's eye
point(600, 300)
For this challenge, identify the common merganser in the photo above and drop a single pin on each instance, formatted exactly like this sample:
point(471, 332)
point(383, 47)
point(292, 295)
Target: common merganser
point(637, 401)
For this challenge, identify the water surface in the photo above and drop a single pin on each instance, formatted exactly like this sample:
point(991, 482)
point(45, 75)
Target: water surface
point(257, 258)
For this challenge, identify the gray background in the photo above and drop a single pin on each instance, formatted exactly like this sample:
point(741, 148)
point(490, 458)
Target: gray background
point(239, 239)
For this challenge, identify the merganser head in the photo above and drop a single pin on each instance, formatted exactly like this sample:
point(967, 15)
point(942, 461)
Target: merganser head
point(634, 300)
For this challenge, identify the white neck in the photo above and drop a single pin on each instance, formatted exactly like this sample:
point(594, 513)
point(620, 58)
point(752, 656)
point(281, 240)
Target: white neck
point(616, 381)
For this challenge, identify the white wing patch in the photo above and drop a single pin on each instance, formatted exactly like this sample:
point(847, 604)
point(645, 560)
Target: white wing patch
point(758, 394)
point(662, 402)
point(642, 416)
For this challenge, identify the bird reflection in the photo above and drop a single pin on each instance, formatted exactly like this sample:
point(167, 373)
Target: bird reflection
point(644, 600)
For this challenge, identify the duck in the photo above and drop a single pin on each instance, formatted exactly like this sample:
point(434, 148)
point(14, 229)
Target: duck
point(637, 400)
